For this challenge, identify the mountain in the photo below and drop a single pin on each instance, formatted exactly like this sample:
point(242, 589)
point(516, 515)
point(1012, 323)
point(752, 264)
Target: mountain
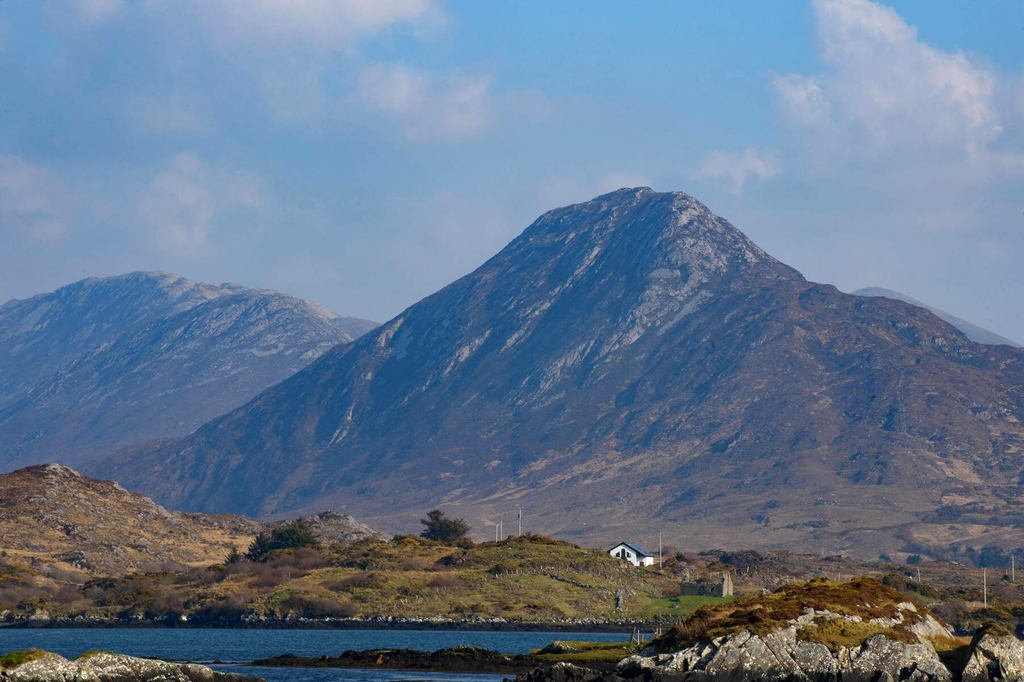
point(972, 331)
point(53, 516)
point(628, 366)
point(105, 363)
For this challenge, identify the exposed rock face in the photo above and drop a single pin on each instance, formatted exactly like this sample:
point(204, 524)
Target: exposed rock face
point(107, 667)
point(103, 363)
point(635, 358)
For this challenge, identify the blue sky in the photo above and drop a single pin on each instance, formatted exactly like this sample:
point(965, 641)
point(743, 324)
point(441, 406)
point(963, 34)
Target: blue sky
point(365, 153)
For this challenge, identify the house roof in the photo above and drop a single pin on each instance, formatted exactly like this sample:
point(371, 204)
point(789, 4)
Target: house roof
point(637, 550)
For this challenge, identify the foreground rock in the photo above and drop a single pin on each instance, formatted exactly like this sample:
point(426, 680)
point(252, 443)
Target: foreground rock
point(994, 655)
point(747, 657)
point(41, 666)
point(859, 631)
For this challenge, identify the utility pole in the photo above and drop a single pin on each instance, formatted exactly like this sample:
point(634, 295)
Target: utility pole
point(520, 521)
point(1013, 578)
point(984, 583)
point(660, 562)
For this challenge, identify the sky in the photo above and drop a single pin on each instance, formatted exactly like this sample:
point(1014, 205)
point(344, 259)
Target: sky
point(365, 153)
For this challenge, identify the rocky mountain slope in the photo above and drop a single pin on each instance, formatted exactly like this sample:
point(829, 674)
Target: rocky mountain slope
point(628, 366)
point(104, 363)
point(971, 331)
point(52, 516)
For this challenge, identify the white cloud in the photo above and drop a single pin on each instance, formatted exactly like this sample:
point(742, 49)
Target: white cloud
point(929, 137)
point(737, 168)
point(428, 107)
point(311, 24)
point(179, 206)
point(889, 91)
point(34, 204)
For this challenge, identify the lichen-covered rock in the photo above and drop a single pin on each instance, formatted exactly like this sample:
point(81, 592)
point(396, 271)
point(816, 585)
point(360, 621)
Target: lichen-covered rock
point(780, 656)
point(995, 657)
point(900, 660)
point(107, 667)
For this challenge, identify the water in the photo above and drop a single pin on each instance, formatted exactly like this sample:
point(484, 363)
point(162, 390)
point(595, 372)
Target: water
point(237, 646)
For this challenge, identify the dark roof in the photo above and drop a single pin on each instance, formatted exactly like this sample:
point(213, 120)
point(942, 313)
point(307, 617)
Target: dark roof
point(639, 552)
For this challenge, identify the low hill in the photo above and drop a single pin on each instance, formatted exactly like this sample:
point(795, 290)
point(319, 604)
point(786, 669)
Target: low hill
point(51, 517)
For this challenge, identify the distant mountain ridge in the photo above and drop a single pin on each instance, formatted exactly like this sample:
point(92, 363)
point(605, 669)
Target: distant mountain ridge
point(106, 362)
point(972, 331)
point(626, 366)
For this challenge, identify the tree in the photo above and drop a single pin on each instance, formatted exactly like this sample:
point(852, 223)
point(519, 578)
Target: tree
point(441, 529)
point(291, 535)
point(234, 556)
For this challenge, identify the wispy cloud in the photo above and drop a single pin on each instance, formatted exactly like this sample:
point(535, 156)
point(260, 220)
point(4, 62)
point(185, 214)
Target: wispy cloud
point(34, 203)
point(737, 168)
point(425, 106)
point(178, 207)
point(311, 24)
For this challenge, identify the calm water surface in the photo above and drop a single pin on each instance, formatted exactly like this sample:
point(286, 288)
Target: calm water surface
point(233, 646)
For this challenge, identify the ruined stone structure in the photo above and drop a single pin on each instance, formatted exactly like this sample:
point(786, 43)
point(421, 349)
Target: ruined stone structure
point(707, 588)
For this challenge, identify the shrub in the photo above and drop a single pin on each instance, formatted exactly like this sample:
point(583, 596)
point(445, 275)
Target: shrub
point(443, 530)
point(373, 581)
point(292, 535)
point(307, 606)
point(228, 609)
point(446, 582)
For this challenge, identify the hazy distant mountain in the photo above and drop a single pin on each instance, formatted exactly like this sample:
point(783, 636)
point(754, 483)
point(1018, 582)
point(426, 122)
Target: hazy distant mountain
point(104, 363)
point(973, 331)
point(630, 365)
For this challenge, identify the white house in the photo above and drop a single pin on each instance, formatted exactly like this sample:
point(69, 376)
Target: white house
point(632, 554)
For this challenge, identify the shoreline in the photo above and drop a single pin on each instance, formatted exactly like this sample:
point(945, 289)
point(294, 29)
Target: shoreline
point(615, 627)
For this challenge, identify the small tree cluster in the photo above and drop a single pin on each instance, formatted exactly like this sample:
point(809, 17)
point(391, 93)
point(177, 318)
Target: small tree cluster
point(292, 535)
point(442, 529)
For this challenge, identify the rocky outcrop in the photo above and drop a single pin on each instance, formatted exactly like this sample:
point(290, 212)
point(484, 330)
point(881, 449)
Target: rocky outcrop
point(858, 631)
point(994, 656)
point(108, 667)
point(780, 655)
